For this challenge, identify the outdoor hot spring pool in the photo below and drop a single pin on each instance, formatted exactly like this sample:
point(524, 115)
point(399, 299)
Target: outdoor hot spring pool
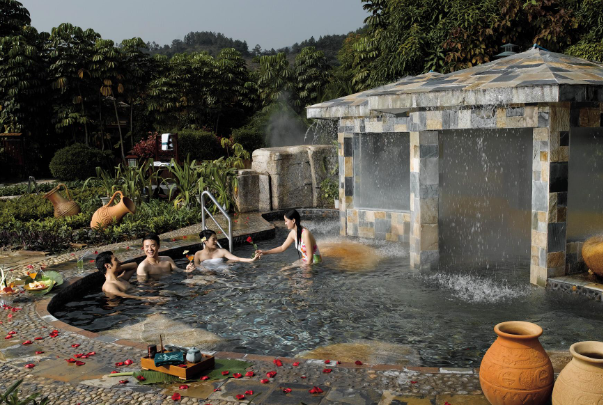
point(364, 292)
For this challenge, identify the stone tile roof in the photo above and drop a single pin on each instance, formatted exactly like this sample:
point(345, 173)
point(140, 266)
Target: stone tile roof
point(533, 76)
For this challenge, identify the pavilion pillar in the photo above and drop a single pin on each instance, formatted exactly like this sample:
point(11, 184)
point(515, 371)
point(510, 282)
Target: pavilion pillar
point(424, 198)
point(549, 194)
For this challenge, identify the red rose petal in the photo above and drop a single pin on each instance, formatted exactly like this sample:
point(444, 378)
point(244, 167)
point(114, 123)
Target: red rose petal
point(84, 356)
point(55, 331)
point(96, 252)
point(240, 397)
point(123, 381)
point(141, 378)
point(79, 363)
point(38, 338)
point(183, 387)
point(120, 364)
point(315, 390)
point(249, 374)
point(27, 342)
point(271, 374)
point(71, 360)
point(114, 372)
point(78, 355)
point(327, 361)
point(265, 381)
point(39, 352)
point(9, 337)
point(249, 392)
point(128, 362)
point(176, 396)
point(358, 362)
point(303, 376)
point(287, 390)
point(327, 370)
point(217, 389)
point(91, 353)
point(12, 332)
point(225, 372)
point(75, 345)
point(237, 375)
point(204, 378)
point(277, 362)
point(296, 364)
point(30, 365)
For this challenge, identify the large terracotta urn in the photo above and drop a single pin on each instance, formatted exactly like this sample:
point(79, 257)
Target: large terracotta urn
point(581, 381)
point(592, 253)
point(62, 207)
point(109, 212)
point(516, 370)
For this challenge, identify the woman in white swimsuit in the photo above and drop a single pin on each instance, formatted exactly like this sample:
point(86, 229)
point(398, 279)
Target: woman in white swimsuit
point(212, 254)
point(302, 237)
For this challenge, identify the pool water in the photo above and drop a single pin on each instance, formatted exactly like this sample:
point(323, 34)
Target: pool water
point(364, 291)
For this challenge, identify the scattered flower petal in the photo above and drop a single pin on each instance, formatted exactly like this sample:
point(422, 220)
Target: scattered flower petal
point(120, 364)
point(249, 374)
point(71, 360)
point(358, 363)
point(128, 362)
point(249, 392)
point(39, 352)
point(237, 375)
point(303, 376)
point(225, 372)
point(277, 362)
point(75, 345)
point(413, 382)
point(114, 372)
point(183, 387)
point(141, 378)
point(315, 390)
point(27, 342)
point(204, 378)
point(271, 374)
point(327, 370)
point(38, 338)
point(79, 363)
point(327, 361)
point(296, 364)
point(265, 381)
point(123, 381)
point(240, 397)
point(287, 390)
point(30, 365)
point(176, 396)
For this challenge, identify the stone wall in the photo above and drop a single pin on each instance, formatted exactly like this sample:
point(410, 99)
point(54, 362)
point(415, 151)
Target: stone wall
point(285, 177)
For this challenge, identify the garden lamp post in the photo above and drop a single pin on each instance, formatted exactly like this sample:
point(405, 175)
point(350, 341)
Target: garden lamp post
point(132, 160)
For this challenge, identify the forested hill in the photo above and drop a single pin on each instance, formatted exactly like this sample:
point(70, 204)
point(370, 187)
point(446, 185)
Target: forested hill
point(213, 42)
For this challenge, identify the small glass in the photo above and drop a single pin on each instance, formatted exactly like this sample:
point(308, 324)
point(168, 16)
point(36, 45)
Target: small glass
point(80, 263)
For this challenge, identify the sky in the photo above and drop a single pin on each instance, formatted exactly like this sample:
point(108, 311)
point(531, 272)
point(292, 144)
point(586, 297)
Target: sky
point(270, 23)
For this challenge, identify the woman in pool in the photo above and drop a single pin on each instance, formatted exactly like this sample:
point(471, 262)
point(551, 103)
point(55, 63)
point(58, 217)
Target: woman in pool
point(303, 238)
point(212, 254)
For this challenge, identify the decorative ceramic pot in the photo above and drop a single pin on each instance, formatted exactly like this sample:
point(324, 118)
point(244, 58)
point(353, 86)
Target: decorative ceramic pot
point(516, 370)
point(108, 213)
point(581, 381)
point(592, 253)
point(62, 207)
point(193, 355)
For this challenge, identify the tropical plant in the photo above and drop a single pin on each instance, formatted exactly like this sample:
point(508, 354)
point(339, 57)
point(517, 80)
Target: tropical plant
point(312, 73)
point(274, 78)
point(188, 178)
point(104, 178)
point(136, 181)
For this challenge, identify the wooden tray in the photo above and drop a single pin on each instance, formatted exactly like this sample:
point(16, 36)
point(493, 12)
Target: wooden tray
point(189, 372)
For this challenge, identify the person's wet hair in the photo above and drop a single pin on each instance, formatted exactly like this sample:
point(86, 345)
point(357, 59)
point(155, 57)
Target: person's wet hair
point(152, 236)
point(102, 259)
point(294, 215)
point(206, 233)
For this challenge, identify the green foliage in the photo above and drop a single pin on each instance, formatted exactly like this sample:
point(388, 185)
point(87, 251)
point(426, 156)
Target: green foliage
point(136, 181)
point(249, 138)
point(312, 74)
point(77, 162)
point(11, 397)
point(198, 145)
point(275, 78)
point(592, 52)
point(188, 182)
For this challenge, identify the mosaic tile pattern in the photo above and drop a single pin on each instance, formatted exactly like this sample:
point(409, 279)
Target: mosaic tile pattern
point(533, 76)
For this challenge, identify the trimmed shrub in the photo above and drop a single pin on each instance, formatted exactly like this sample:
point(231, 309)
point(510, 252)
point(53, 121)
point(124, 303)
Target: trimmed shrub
point(200, 145)
point(78, 162)
point(249, 138)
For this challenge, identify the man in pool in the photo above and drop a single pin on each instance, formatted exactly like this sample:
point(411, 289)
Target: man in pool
point(117, 276)
point(155, 266)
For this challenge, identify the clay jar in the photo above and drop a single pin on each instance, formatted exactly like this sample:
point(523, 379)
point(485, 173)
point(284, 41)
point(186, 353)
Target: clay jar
point(581, 381)
point(62, 207)
point(109, 213)
point(592, 253)
point(516, 370)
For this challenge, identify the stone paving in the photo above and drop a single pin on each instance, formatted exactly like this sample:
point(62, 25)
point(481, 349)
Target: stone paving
point(67, 383)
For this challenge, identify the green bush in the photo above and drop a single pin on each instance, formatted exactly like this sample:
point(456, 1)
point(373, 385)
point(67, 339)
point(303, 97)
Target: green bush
point(200, 145)
point(78, 162)
point(250, 138)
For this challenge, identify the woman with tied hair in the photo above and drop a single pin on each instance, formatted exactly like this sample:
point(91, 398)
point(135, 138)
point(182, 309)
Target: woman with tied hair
point(303, 238)
point(212, 254)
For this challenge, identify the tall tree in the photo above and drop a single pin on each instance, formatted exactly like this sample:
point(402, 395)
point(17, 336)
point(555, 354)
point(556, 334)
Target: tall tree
point(274, 79)
point(229, 88)
point(13, 18)
point(312, 73)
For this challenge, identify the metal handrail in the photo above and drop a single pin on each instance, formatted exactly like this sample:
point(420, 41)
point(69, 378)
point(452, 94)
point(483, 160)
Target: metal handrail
point(222, 210)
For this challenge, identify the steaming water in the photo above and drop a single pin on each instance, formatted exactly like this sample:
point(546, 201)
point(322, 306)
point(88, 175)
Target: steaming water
point(365, 290)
